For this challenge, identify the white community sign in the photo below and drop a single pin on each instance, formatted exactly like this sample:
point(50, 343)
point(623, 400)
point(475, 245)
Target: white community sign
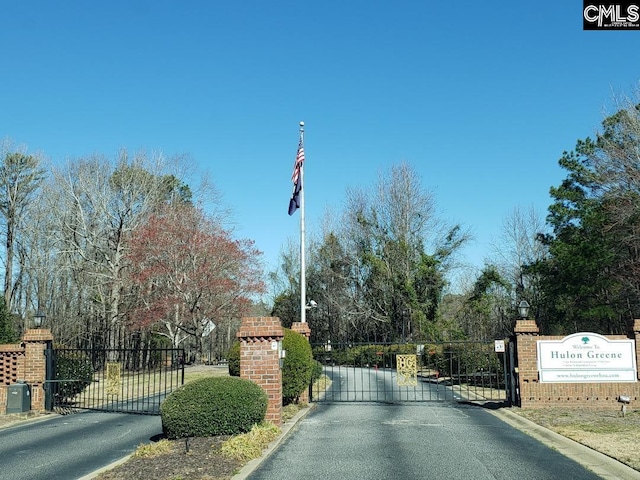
point(587, 357)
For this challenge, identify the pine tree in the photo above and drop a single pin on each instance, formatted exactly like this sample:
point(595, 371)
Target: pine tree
point(7, 331)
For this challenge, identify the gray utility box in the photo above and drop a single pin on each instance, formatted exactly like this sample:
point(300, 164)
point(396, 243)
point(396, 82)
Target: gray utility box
point(18, 398)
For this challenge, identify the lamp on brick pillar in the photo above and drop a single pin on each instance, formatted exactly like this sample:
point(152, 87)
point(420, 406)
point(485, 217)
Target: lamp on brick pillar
point(38, 318)
point(526, 371)
point(523, 310)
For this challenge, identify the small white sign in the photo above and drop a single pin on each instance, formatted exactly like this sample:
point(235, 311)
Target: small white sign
point(274, 345)
point(499, 346)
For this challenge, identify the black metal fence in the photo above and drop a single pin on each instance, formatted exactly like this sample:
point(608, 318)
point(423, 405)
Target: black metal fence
point(114, 380)
point(446, 371)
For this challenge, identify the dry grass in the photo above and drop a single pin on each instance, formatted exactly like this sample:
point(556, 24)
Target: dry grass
point(605, 431)
point(320, 386)
point(109, 387)
point(250, 445)
point(150, 450)
point(196, 373)
point(290, 411)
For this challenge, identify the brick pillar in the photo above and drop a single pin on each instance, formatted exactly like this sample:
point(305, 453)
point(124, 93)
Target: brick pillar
point(303, 329)
point(35, 341)
point(260, 360)
point(526, 332)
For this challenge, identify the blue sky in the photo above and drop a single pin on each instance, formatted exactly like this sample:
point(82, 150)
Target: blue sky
point(481, 98)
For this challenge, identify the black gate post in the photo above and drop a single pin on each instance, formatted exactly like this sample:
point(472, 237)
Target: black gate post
point(507, 379)
point(50, 375)
point(513, 379)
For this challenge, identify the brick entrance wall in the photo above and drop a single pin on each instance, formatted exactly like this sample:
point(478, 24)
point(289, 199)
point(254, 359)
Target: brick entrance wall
point(25, 361)
point(534, 394)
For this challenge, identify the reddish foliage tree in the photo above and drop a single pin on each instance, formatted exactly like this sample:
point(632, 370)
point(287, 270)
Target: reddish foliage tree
point(188, 272)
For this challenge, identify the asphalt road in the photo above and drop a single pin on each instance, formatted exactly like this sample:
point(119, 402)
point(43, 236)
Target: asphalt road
point(412, 441)
point(71, 446)
point(371, 428)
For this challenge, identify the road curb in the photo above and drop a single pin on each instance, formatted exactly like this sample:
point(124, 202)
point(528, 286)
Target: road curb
point(106, 468)
point(286, 430)
point(599, 463)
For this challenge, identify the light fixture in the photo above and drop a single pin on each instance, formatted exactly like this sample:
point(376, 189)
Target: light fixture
point(38, 318)
point(523, 309)
point(624, 400)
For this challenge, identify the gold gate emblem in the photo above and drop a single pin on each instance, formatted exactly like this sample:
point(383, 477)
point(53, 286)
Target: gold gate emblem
point(114, 378)
point(407, 369)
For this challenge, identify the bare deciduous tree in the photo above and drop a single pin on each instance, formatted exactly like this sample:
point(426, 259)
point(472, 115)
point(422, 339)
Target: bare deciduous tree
point(98, 204)
point(517, 246)
point(20, 177)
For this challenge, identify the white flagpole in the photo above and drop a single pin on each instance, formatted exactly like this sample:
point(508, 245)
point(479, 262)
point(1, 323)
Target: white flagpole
point(303, 275)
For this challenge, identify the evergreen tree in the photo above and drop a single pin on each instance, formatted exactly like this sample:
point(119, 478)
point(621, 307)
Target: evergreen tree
point(590, 280)
point(8, 333)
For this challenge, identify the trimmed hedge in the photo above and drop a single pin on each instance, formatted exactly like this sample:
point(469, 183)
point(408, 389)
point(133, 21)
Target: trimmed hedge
point(213, 406)
point(297, 367)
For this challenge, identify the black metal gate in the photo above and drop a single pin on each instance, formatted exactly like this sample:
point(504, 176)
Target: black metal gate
point(111, 380)
point(443, 371)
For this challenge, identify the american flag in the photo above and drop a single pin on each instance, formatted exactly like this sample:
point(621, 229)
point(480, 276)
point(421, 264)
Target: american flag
point(294, 203)
point(298, 164)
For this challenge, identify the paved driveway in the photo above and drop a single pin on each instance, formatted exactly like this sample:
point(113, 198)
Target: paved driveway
point(412, 441)
point(68, 447)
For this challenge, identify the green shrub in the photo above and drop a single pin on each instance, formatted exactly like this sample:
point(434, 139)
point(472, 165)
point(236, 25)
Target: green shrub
point(340, 356)
point(74, 373)
point(297, 366)
point(233, 357)
point(368, 355)
point(213, 406)
point(463, 359)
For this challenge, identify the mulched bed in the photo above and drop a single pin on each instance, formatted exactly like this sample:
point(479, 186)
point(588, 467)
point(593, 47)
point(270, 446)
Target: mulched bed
point(202, 461)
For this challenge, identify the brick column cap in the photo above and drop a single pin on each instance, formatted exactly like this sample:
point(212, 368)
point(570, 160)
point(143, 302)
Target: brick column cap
point(526, 327)
point(37, 335)
point(261, 327)
point(636, 326)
